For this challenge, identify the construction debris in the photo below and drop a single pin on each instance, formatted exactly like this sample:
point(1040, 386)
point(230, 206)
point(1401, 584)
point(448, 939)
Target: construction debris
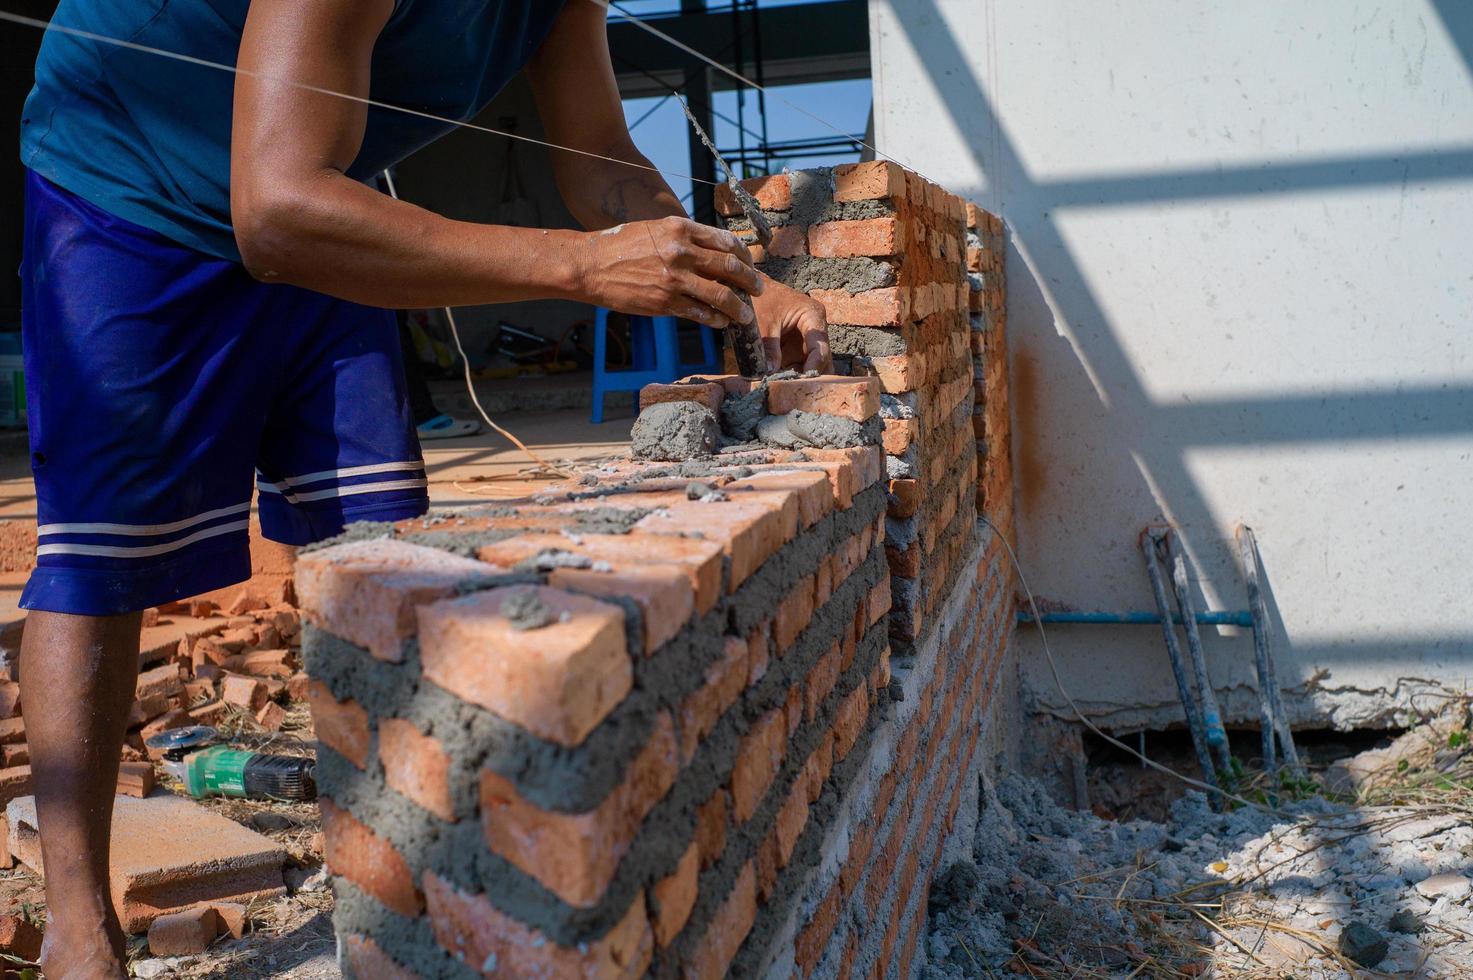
point(1328, 888)
point(168, 854)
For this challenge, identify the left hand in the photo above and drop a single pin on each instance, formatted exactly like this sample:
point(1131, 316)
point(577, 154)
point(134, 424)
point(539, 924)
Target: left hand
point(794, 329)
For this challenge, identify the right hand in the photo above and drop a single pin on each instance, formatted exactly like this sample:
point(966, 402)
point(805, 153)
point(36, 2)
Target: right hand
point(670, 267)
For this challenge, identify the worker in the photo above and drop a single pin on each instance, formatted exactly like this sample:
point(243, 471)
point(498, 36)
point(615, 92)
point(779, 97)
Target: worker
point(207, 286)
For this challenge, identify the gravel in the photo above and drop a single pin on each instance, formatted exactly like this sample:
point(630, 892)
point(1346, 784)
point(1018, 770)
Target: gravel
point(1056, 892)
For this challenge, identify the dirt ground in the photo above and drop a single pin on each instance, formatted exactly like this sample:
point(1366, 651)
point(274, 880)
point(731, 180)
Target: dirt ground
point(290, 937)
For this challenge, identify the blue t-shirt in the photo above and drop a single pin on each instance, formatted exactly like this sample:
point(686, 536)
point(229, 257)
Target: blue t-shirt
point(148, 138)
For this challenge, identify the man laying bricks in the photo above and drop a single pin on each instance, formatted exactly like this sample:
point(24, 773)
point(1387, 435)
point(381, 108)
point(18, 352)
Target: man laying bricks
point(206, 293)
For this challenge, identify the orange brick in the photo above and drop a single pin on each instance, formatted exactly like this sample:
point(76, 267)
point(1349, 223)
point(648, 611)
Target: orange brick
point(886, 306)
point(725, 681)
point(849, 723)
point(814, 937)
point(818, 766)
point(472, 930)
point(663, 593)
point(821, 680)
point(711, 828)
point(366, 591)
point(808, 490)
point(773, 193)
point(576, 854)
point(898, 435)
point(788, 241)
point(416, 766)
point(758, 760)
point(869, 181)
point(899, 372)
point(183, 933)
point(727, 929)
point(354, 851)
point(699, 560)
point(706, 394)
point(905, 498)
point(673, 897)
point(869, 236)
point(340, 725)
point(794, 613)
point(851, 398)
point(866, 463)
point(879, 600)
point(748, 531)
point(369, 962)
point(792, 817)
point(247, 692)
point(558, 681)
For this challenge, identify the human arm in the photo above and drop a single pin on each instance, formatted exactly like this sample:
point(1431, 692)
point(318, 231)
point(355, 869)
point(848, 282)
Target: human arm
point(300, 219)
point(578, 100)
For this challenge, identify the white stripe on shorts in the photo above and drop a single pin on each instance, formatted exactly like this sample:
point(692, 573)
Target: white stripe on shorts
point(140, 550)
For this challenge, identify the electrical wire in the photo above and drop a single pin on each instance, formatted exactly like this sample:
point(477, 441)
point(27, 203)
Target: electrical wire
point(1079, 712)
point(470, 386)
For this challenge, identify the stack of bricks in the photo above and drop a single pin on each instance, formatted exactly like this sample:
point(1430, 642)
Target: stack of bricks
point(884, 250)
point(987, 304)
point(198, 665)
point(598, 732)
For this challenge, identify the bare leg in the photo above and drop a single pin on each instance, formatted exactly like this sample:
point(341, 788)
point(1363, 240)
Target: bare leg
point(78, 675)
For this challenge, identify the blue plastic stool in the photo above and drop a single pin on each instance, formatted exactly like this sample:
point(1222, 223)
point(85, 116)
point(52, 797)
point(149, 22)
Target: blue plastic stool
point(654, 351)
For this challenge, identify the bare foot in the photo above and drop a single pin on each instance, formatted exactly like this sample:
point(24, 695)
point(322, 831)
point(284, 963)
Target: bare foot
point(90, 958)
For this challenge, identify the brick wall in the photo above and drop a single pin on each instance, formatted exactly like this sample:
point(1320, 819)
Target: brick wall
point(987, 303)
point(648, 722)
point(885, 251)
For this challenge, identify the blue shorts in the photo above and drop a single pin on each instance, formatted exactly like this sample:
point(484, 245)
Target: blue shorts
point(163, 385)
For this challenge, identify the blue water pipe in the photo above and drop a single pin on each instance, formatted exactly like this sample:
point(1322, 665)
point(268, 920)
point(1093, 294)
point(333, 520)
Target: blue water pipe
point(1141, 617)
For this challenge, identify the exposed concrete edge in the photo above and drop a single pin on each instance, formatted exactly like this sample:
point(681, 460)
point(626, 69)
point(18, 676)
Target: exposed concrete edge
point(913, 675)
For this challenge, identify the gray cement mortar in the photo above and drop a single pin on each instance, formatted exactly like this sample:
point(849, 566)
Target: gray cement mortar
point(852, 274)
point(866, 341)
point(740, 414)
point(675, 431)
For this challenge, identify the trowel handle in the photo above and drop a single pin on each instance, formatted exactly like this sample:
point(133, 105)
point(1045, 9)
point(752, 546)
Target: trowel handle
point(746, 345)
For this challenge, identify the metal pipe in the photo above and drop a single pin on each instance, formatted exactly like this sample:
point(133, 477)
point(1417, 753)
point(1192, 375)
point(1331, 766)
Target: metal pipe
point(1268, 682)
point(1140, 617)
point(1211, 713)
point(1173, 652)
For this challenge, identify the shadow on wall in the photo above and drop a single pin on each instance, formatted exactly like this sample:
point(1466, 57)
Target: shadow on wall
point(1134, 453)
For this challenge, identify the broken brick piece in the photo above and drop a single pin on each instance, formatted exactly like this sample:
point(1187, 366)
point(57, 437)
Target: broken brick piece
point(12, 730)
point(247, 692)
point(14, 782)
point(234, 918)
point(19, 938)
point(183, 933)
point(271, 716)
point(160, 681)
point(135, 779)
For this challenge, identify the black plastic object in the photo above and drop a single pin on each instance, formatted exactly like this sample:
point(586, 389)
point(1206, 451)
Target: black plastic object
point(281, 777)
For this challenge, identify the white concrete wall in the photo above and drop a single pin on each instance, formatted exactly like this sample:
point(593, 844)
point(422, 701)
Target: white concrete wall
point(1241, 288)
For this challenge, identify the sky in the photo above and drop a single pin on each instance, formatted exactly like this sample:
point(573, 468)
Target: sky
point(659, 127)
